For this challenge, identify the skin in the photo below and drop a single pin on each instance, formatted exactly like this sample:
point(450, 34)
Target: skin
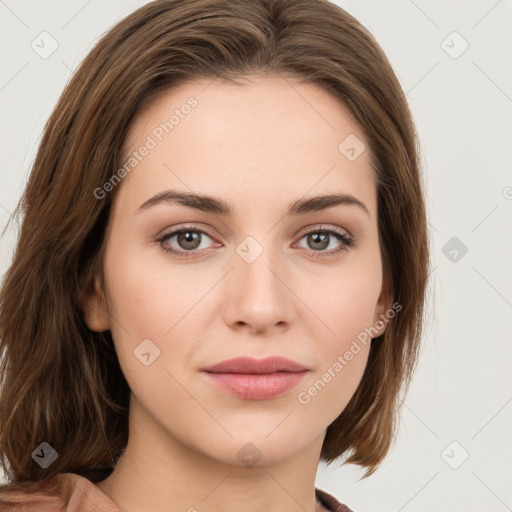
point(258, 146)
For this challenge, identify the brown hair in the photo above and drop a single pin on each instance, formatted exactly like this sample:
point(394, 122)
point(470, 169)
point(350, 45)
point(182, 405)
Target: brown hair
point(61, 383)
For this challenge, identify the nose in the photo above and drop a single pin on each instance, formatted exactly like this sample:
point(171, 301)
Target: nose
point(258, 293)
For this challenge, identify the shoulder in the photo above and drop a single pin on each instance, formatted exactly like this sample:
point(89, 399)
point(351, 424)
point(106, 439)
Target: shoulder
point(330, 502)
point(45, 495)
point(65, 492)
point(69, 492)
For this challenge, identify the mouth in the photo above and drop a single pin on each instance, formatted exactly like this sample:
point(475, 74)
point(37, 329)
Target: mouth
point(254, 379)
point(256, 386)
point(249, 365)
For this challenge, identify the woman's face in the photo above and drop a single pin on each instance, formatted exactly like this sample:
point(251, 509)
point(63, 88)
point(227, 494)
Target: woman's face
point(256, 280)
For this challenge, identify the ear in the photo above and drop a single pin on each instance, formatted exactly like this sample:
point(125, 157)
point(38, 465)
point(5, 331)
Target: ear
point(96, 313)
point(384, 304)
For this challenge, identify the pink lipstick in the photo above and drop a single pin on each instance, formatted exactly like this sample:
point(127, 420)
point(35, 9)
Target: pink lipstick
point(255, 379)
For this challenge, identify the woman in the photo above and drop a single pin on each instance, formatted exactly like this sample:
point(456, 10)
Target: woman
point(173, 337)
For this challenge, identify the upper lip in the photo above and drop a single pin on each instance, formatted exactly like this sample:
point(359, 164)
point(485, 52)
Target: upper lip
point(249, 365)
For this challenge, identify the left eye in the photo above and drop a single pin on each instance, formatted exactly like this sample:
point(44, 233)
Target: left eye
point(189, 241)
point(321, 238)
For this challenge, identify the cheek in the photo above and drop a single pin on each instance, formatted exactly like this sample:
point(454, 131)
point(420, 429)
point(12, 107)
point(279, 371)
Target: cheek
point(342, 362)
point(152, 303)
point(344, 309)
point(342, 352)
point(342, 304)
point(148, 300)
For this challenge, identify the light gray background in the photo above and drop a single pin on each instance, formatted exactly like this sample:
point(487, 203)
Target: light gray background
point(462, 105)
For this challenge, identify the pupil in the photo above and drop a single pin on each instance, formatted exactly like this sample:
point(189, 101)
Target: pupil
point(320, 238)
point(189, 237)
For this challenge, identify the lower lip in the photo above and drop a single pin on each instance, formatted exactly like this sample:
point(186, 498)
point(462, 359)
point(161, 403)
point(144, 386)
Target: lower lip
point(257, 387)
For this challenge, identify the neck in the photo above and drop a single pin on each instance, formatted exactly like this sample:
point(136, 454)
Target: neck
point(160, 473)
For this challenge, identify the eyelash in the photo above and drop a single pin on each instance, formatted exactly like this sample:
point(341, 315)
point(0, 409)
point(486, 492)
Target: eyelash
point(347, 241)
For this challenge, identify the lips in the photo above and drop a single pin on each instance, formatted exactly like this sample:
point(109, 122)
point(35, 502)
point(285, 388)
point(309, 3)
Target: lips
point(253, 379)
point(251, 366)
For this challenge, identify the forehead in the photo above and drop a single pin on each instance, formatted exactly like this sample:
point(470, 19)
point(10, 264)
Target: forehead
point(270, 139)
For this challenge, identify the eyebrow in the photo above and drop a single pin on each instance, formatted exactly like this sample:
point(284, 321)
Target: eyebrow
point(220, 207)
